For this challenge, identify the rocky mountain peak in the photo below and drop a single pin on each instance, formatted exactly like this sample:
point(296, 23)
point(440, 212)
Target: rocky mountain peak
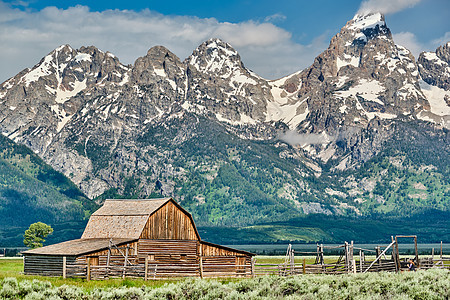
point(366, 27)
point(43, 99)
point(365, 71)
point(214, 56)
point(434, 67)
point(158, 64)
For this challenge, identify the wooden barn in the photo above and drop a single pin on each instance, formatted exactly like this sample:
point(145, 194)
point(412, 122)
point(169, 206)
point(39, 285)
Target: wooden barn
point(151, 238)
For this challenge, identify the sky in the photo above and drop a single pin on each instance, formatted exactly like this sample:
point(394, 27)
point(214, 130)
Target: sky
point(274, 38)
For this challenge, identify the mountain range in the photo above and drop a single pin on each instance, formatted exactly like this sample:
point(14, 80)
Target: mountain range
point(361, 133)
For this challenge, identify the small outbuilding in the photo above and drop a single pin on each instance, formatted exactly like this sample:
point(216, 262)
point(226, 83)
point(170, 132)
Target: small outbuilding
point(151, 238)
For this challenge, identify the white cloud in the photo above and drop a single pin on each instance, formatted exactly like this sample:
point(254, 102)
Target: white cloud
point(27, 36)
point(294, 138)
point(385, 6)
point(251, 34)
point(442, 40)
point(409, 41)
point(275, 17)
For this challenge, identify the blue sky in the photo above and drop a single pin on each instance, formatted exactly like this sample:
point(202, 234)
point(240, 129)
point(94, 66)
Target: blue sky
point(274, 38)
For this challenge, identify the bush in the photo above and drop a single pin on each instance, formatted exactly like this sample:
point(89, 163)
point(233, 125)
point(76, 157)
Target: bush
point(431, 284)
point(10, 288)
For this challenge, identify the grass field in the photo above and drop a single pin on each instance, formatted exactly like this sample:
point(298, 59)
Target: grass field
point(431, 284)
point(14, 268)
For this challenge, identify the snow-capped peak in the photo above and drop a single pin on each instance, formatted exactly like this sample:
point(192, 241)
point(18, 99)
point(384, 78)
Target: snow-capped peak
point(364, 27)
point(63, 47)
point(215, 55)
point(362, 22)
point(222, 46)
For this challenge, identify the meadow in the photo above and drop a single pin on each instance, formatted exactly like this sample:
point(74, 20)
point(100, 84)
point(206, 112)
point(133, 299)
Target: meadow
point(431, 284)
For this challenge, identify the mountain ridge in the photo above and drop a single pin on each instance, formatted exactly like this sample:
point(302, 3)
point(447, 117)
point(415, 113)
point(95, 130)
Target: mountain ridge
point(194, 125)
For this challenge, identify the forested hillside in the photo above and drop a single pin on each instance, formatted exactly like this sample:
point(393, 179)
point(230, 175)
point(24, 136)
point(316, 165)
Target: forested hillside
point(32, 191)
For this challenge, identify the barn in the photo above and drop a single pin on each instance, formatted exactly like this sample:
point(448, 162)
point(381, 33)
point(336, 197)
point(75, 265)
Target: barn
point(150, 238)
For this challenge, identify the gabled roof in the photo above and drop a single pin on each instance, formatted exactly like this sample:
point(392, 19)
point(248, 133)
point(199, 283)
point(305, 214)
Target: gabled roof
point(130, 207)
point(77, 247)
point(122, 218)
point(126, 218)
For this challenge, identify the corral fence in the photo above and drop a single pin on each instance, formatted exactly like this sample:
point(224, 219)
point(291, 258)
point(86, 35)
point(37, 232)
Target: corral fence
point(351, 260)
point(205, 268)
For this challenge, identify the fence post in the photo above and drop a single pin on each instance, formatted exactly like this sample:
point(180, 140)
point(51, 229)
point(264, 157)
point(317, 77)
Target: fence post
point(417, 252)
point(125, 262)
point(146, 268)
point(88, 273)
point(64, 267)
point(253, 267)
point(352, 259)
point(304, 266)
point(321, 254)
point(201, 266)
point(292, 262)
point(347, 263)
point(108, 259)
point(397, 254)
point(360, 261)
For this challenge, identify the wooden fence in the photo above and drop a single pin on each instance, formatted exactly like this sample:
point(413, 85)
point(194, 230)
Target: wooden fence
point(386, 259)
point(150, 271)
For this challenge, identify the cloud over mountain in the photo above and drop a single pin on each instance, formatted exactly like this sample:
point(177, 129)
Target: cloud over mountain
point(28, 35)
point(386, 6)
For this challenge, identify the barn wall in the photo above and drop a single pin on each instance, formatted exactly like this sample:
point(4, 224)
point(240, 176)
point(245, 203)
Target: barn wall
point(45, 265)
point(167, 247)
point(169, 223)
point(211, 250)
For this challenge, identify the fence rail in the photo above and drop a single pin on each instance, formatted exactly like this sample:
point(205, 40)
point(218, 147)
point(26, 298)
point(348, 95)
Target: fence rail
point(208, 267)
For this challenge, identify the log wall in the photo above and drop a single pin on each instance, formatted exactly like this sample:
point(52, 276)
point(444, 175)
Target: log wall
point(212, 250)
point(169, 222)
point(45, 265)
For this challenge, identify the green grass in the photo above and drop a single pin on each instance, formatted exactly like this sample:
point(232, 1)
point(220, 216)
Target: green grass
point(431, 284)
point(14, 268)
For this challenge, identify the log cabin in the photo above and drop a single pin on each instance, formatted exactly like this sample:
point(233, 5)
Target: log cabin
point(151, 238)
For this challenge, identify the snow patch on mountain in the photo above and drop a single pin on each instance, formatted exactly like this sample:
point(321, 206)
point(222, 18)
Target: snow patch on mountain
point(63, 94)
point(433, 57)
point(44, 69)
point(244, 120)
point(346, 61)
point(367, 89)
point(438, 98)
point(61, 115)
point(82, 57)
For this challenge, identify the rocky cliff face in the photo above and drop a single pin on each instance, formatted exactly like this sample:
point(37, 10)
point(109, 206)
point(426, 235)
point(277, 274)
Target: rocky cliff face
point(434, 69)
point(120, 129)
point(358, 85)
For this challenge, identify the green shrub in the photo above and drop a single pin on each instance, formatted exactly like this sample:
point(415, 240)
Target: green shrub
point(10, 288)
point(431, 284)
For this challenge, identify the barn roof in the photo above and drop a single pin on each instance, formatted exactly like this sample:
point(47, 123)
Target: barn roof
point(130, 207)
point(122, 218)
point(125, 218)
point(77, 247)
